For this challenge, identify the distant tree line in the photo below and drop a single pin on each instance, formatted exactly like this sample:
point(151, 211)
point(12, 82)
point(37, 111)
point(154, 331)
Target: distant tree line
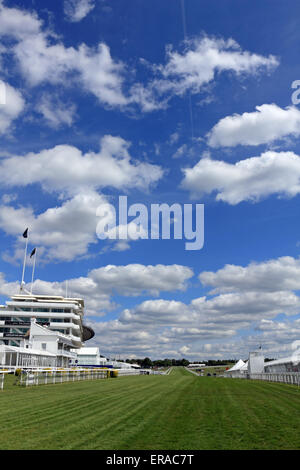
point(147, 363)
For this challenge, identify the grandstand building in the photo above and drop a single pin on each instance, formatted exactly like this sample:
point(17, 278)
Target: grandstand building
point(40, 330)
point(63, 315)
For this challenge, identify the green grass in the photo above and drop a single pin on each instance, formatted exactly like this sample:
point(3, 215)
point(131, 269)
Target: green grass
point(179, 411)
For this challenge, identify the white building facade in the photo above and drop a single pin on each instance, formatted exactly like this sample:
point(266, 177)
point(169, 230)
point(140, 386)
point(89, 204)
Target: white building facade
point(88, 357)
point(40, 330)
point(64, 315)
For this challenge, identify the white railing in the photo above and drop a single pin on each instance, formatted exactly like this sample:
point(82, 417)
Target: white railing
point(283, 377)
point(2, 377)
point(237, 375)
point(53, 376)
point(44, 376)
point(123, 372)
point(286, 377)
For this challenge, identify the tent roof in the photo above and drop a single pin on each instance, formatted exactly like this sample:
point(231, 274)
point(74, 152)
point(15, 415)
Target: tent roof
point(237, 366)
point(294, 359)
point(245, 366)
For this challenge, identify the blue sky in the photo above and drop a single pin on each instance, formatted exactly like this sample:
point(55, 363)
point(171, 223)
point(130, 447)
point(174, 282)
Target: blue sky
point(186, 102)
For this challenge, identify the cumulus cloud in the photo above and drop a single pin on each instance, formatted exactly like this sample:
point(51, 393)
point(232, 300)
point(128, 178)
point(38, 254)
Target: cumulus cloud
point(76, 10)
point(268, 123)
point(156, 326)
point(170, 325)
point(101, 283)
point(65, 169)
point(55, 112)
point(93, 68)
point(68, 230)
point(260, 291)
point(223, 312)
point(202, 58)
point(136, 279)
point(278, 333)
point(197, 66)
point(64, 232)
point(270, 276)
point(154, 312)
point(12, 108)
point(247, 180)
point(42, 58)
point(8, 288)
point(18, 22)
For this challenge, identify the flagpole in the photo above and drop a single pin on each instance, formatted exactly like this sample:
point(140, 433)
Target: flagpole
point(33, 270)
point(24, 264)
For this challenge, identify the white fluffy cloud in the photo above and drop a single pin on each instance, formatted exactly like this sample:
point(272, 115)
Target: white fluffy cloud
point(160, 328)
point(42, 58)
point(101, 283)
point(93, 69)
point(195, 67)
point(135, 279)
point(223, 312)
point(55, 112)
point(76, 10)
point(246, 297)
point(61, 233)
point(270, 276)
point(65, 168)
point(157, 326)
point(247, 180)
point(268, 123)
point(18, 22)
point(11, 109)
point(67, 231)
point(203, 58)
point(7, 288)
point(279, 334)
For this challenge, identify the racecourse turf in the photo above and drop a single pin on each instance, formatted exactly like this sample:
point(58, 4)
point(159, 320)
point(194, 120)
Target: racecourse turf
point(179, 411)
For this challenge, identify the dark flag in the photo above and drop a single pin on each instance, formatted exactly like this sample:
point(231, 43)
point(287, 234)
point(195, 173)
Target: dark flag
point(25, 234)
point(33, 252)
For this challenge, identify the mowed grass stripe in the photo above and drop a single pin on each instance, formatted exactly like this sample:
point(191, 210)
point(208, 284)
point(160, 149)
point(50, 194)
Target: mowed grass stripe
point(62, 406)
point(178, 411)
